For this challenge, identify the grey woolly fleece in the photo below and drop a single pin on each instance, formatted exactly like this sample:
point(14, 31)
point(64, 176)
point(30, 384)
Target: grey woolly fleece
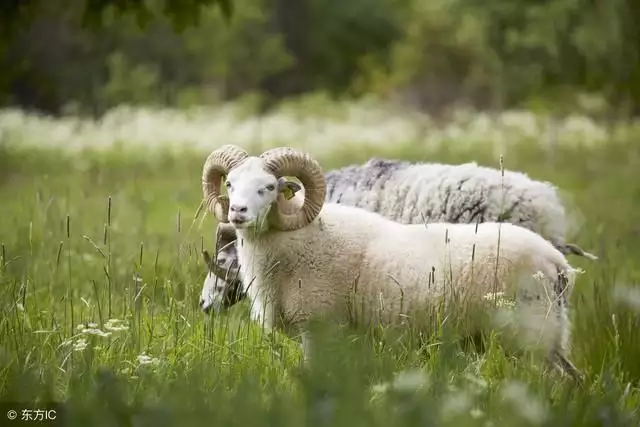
point(430, 192)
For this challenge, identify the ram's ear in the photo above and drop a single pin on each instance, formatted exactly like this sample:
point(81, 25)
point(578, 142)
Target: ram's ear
point(288, 188)
point(206, 257)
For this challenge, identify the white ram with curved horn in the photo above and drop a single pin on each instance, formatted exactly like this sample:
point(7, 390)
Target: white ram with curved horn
point(323, 258)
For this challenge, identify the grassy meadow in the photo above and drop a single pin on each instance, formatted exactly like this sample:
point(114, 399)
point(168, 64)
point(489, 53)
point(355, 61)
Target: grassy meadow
point(101, 272)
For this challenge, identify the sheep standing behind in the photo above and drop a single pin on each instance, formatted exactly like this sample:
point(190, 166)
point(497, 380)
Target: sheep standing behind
point(325, 258)
point(415, 193)
point(222, 286)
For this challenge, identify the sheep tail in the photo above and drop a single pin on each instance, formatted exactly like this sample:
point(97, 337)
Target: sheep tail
point(571, 249)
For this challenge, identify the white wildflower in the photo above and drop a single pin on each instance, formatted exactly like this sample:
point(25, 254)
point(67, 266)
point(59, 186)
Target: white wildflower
point(493, 295)
point(362, 122)
point(116, 325)
point(405, 381)
point(96, 331)
point(380, 388)
point(499, 300)
point(80, 344)
point(476, 413)
point(19, 306)
point(412, 380)
point(144, 359)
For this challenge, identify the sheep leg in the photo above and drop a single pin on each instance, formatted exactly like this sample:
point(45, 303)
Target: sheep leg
point(563, 364)
point(557, 354)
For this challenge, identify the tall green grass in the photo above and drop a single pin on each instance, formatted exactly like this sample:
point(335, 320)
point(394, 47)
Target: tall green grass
point(100, 275)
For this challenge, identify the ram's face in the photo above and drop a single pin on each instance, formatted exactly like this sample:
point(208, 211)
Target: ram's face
point(252, 191)
point(227, 258)
point(217, 294)
point(212, 295)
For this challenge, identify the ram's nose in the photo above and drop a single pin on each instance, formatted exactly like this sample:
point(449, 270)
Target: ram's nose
point(238, 208)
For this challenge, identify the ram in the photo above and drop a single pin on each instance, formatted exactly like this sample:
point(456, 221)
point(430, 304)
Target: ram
point(415, 193)
point(222, 286)
point(325, 258)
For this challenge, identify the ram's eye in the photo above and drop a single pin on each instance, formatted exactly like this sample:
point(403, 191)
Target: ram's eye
point(270, 187)
point(227, 184)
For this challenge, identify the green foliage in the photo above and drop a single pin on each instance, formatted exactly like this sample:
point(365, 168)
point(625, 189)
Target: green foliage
point(128, 83)
point(95, 236)
point(495, 53)
point(504, 53)
point(444, 56)
point(238, 56)
point(181, 13)
point(345, 31)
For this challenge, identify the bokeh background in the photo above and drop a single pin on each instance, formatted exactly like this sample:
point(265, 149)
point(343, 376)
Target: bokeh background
point(109, 109)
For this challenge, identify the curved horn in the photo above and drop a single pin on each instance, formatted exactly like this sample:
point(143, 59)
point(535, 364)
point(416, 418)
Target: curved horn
point(286, 161)
point(216, 166)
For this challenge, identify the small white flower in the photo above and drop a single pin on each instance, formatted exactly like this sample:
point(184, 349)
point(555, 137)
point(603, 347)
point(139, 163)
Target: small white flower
point(19, 306)
point(380, 388)
point(144, 359)
point(412, 380)
point(116, 325)
point(80, 344)
point(405, 381)
point(96, 331)
point(476, 413)
point(499, 300)
point(493, 296)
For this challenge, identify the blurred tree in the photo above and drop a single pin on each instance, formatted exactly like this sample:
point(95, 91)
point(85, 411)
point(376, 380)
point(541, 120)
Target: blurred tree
point(17, 13)
point(443, 58)
point(433, 53)
point(519, 52)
